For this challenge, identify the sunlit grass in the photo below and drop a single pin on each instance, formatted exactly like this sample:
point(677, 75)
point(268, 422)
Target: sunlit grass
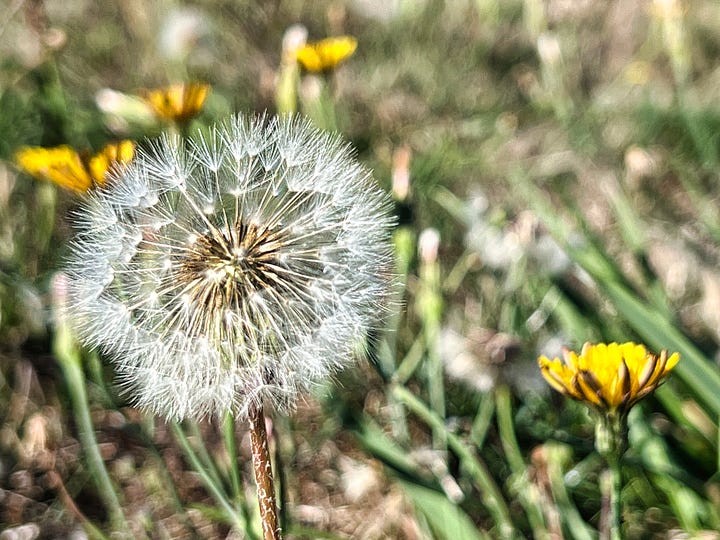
point(566, 164)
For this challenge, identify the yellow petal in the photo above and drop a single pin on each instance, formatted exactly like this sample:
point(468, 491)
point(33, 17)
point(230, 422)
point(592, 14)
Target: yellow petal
point(111, 155)
point(671, 362)
point(178, 102)
point(326, 54)
point(589, 388)
point(608, 376)
point(559, 376)
point(61, 165)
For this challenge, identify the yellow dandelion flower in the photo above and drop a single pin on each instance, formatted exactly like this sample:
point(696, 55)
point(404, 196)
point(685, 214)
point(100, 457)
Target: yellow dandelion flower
point(178, 102)
point(120, 152)
point(61, 165)
point(611, 377)
point(65, 167)
point(326, 54)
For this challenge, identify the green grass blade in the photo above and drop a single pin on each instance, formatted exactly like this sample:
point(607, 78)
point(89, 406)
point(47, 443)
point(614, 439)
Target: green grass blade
point(445, 518)
point(472, 464)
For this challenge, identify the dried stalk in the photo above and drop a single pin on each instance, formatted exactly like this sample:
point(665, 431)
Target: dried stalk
point(263, 475)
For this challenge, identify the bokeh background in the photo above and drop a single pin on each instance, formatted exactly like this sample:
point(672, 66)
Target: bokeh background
point(562, 159)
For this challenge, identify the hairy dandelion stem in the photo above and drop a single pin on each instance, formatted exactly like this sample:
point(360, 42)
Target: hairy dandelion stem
point(263, 475)
point(610, 485)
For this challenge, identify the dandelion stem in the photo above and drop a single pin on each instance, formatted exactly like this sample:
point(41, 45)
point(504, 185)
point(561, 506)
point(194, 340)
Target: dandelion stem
point(286, 88)
point(263, 475)
point(615, 510)
point(610, 442)
point(610, 485)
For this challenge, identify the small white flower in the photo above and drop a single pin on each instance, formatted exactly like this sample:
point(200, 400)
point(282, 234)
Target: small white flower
point(239, 269)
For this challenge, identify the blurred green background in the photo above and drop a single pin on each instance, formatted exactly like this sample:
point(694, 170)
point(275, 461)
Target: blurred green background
point(562, 159)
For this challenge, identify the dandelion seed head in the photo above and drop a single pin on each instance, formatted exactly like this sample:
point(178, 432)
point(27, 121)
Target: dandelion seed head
point(238, 269)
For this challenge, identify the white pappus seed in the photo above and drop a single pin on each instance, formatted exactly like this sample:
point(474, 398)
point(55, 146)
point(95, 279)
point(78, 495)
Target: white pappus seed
point(252, 270)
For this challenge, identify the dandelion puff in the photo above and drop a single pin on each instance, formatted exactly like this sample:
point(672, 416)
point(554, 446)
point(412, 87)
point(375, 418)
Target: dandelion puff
point(248, 137)
point(206, 150)
point(164, 165)
point(241, 271)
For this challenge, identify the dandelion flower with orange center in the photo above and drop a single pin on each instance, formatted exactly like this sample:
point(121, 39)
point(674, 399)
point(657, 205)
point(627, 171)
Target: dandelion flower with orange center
point(65, 167)
point(178, 102)
point(326, 54)
point(611, 377)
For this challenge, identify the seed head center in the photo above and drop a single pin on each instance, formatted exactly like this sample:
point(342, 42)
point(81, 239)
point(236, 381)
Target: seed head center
point(230, 275)
point(224, 267)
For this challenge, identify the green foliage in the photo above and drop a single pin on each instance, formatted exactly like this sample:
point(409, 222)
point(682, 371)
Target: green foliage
point(570, 169)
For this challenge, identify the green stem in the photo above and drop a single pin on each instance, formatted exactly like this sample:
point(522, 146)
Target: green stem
point(203, 453)
point(413, 358)
point(212, 486)
point(46, 195)
point(610, 442)
point(610, 484)
point(615, 510)
point(231, 448)
point(69, 359)
point(319, 106)
point(475, 467)
point(287, 85)
point(481, 423)
point(527, 491)
point(558, 456)
point(429, 301)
